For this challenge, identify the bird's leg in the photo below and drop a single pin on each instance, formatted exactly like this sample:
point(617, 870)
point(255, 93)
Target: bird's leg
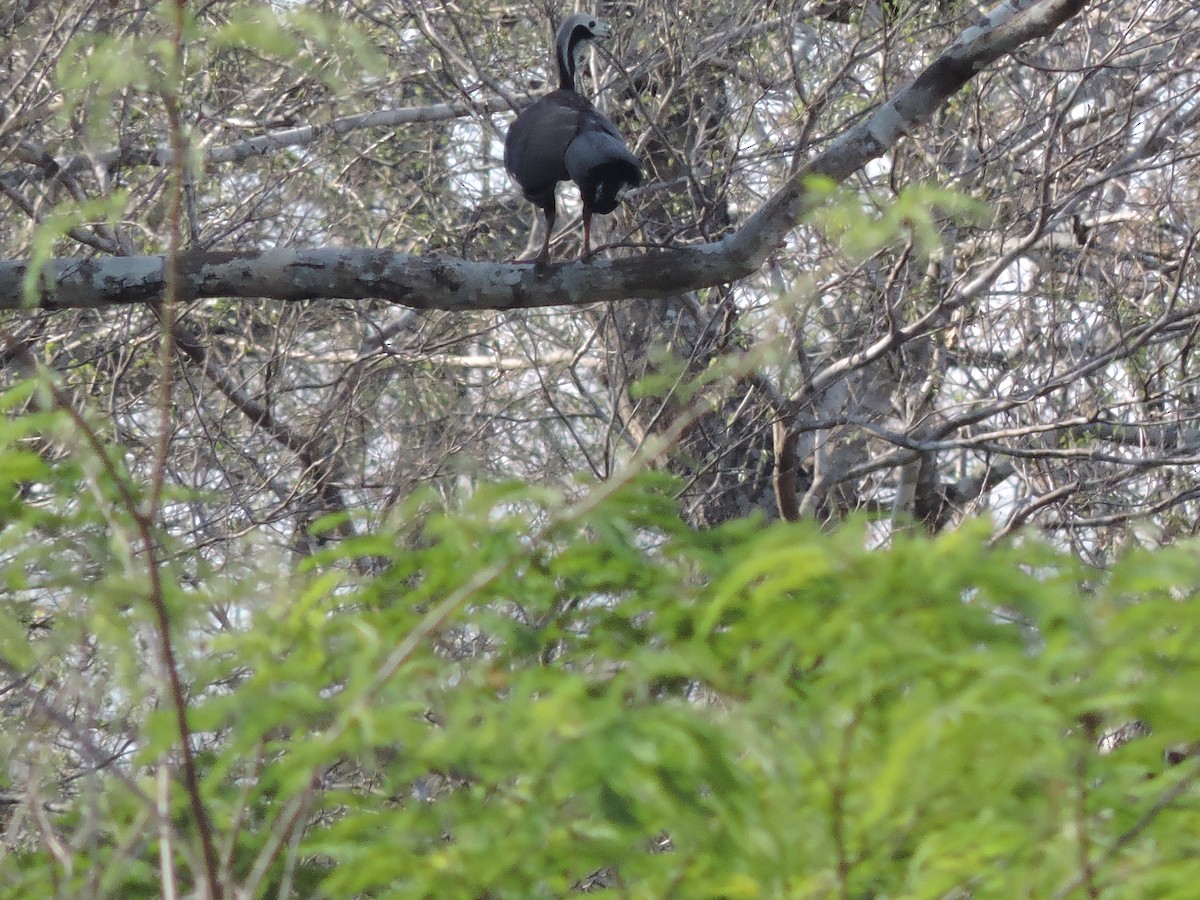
point(587, 235)
point(544, 257)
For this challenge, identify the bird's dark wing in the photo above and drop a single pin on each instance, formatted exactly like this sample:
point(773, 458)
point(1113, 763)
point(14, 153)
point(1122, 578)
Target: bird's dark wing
point(594, 148)
point(536, 146)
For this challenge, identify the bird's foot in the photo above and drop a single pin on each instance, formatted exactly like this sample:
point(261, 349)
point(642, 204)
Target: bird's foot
point(541, 261)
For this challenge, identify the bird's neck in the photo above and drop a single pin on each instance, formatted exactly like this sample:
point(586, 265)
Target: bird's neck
point(566, 77)
point(568, 53)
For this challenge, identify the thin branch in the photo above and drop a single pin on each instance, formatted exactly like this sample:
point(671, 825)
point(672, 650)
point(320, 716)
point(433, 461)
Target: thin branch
point(145, 520)
point(263, 145)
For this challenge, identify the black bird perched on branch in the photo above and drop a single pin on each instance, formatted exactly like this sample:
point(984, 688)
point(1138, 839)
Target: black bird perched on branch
point(564, 136)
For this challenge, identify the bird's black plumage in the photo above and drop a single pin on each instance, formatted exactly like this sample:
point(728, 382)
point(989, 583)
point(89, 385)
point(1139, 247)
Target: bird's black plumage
point(563, 136)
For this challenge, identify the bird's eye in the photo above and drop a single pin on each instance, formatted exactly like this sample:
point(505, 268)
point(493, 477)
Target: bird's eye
point(592, 24)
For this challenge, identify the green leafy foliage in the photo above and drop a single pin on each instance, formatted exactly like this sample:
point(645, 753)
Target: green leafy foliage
point(915, 215)
point(531, 691)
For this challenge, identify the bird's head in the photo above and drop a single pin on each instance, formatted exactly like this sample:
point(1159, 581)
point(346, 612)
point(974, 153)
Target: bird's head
point(572, 40)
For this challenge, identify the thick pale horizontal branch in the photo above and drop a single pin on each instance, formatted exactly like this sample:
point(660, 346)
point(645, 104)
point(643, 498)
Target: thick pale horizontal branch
point(422, 282)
